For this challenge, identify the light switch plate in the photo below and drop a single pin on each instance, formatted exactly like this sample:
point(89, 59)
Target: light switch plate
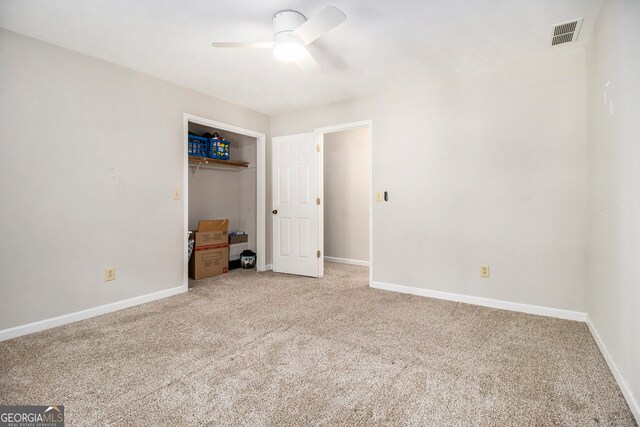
point(109, 274)
point(484, 271)
point(379, 196)
point(177, 194)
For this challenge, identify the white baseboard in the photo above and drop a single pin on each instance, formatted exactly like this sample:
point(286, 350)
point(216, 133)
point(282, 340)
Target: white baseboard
point(626, 392)
point(268, 267)
point(346, 261)
point(486, 302)
point(65, 319)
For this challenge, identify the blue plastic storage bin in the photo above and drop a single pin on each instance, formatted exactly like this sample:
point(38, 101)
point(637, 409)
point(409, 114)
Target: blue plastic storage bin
point(219, 149)
point(198, 146)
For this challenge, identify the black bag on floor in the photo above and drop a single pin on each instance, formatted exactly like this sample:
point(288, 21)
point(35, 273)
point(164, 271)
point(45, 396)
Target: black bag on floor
point(248, 259)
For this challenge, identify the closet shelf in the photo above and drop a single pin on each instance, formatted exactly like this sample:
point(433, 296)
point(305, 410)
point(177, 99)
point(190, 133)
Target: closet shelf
point(229, 165)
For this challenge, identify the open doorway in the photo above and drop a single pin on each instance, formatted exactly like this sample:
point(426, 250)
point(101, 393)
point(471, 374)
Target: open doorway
point(347, 197)
point(298, 199)
point(231, 187)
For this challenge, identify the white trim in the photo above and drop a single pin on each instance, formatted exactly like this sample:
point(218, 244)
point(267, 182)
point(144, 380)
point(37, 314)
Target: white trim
point(320, 186)
point(345, 126)
point(261, 202)
point(261, 187)
point(268, 267)
point(65, 319)
point(320, 138)
point(626, 391)
point(346, 261)
point(185, 202)
point(485, 302)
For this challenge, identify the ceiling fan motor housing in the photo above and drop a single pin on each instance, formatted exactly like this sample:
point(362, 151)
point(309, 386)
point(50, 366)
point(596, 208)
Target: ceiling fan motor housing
point(284, 22)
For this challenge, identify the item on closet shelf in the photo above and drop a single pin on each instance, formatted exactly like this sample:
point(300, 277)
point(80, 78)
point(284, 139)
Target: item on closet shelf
point(248, 259)
point(219, 149)
point(198, 146)
point(238, 237)
point(211, 252)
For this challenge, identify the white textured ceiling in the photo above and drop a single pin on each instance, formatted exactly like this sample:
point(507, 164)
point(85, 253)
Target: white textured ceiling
point(382, 43)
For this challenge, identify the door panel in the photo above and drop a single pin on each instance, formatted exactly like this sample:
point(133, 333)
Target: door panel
point(304, 230)
point(283, 195)
point(285, 237)
point(303, 183)
point(295, 189)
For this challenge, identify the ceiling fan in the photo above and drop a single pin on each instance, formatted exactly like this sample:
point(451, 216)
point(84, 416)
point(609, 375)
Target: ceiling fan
point(292, 33)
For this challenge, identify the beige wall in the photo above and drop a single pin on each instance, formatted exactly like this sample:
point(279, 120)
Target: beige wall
point(614, 183)
point(214, 194)
point(485, 168)
point(90, 155)
point(346, 194)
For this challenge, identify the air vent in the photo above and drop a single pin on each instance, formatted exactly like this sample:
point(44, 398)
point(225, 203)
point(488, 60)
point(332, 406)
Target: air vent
point(565, 32)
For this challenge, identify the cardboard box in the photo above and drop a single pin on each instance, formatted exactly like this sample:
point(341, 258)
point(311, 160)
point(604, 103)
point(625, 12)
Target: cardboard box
point(211, 253)
point(211, 232)
point(209, 261)
point(234, 239)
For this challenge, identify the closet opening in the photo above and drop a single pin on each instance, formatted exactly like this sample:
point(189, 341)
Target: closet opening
point(224, 196)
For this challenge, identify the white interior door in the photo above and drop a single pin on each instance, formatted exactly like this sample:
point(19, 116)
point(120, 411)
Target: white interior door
point(295, 210)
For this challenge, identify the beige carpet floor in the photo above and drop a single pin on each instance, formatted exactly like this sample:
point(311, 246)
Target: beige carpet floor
point(266, 349)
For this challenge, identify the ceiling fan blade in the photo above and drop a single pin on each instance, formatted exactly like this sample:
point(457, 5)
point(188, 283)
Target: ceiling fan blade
point(308, 63)
point(259, 45)
point(329, 18)
point(329, 61)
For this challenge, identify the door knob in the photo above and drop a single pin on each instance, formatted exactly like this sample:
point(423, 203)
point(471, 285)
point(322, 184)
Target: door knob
point(275, 211)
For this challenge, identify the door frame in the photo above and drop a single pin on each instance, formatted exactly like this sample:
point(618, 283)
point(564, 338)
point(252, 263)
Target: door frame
point(261, 189)
point(320, 132)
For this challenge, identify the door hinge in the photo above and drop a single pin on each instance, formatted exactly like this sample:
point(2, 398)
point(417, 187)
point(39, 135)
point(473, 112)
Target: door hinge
point(318, 254)
point(318, 148)
point(318, 201)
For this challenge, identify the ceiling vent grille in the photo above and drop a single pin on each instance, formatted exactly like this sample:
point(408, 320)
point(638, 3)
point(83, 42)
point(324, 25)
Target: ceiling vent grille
point(565, 32)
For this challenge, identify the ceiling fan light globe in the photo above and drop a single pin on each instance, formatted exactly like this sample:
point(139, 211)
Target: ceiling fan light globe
point(289, 51)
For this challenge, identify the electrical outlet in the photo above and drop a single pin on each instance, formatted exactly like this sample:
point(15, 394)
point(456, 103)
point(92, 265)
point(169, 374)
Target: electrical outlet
point(177, 194)
point(484, 271)
point(109, 274)
point(379, 196)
